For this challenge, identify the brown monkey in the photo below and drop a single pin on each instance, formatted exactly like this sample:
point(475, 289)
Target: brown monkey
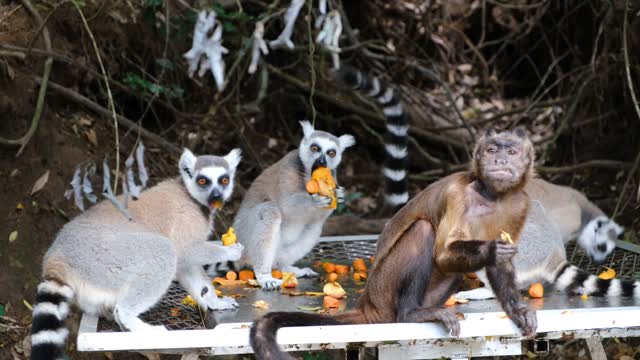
point(451, 227)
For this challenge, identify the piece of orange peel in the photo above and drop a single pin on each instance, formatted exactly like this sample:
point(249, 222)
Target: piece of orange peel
point(607, 274)
point(323, 183)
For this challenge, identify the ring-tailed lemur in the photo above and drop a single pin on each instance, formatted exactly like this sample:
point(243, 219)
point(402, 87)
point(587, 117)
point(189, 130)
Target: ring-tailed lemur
point(395, 168)
point(541, 257)
point(577, 217)
point(110, 266)
point(278, 221)
point(574, 213)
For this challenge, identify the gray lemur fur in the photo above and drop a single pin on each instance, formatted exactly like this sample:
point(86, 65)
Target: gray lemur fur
point(113, 267)
point(541, 257)
point(278, 221)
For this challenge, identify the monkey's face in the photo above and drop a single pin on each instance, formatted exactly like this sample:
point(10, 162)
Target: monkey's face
point(503, 160)
point(209, 179)
point(321, 149)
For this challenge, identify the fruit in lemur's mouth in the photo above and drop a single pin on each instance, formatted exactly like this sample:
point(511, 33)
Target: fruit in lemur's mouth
point(229, 238)
point(216, 205)
point(323, 183)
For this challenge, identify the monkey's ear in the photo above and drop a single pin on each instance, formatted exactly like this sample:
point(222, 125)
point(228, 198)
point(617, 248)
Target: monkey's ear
point(346, 141)
point(490, 131)
point(520, 132)
point(307, 128)
point(187, 162)
point(233, 158)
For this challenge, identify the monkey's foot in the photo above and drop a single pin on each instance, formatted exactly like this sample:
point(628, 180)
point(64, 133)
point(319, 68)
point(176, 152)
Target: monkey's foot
point(268, 282)
point(526, 320)
point(221, 303)
point(449, 319)
point(482, 293)
point(298, 272)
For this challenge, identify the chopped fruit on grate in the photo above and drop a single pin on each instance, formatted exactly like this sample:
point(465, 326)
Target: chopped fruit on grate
point(245, 275)
point(289, 280)
point(261, 304)
point(536, 291)
point(334, 289)
point(607, 274)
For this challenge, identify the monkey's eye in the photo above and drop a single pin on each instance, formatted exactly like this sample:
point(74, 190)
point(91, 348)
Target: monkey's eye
point(315, 148)
point(202, 181)
point(512, 152)
point(492, 150)
point(331, 153)
point(224, 180)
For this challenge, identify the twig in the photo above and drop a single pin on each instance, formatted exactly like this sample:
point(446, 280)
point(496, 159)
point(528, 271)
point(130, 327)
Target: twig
point(626, 60)
point(109, 96)
point(10, 13)
point(18, 54)
point(601, 164)
point(82, 100)
point(368, 114)
point(312, 71)
point(624, 187)
point(24, 140)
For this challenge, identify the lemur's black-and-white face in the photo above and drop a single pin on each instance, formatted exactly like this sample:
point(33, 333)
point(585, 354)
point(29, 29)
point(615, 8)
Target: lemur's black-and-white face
point(599, 236)
point(209, 179)
point(322, 149)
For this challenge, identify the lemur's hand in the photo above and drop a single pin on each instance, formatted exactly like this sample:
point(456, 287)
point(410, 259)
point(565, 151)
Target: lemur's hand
point(320, 201)
point(232, 252)
point(340, 193)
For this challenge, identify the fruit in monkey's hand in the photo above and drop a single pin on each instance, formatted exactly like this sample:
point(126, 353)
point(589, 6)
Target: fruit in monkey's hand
point(324, 184)
point(229, 238)
point(505, 236)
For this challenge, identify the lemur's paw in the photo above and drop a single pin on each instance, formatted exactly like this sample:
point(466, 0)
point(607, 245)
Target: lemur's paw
point(304, 272)
point(340, 193)
point(482, 293)
point(223, 303)
point(320, 201)
point(268, 282)
point(234, 252)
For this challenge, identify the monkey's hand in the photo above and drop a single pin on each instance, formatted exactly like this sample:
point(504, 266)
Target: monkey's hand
point(340, 192)
point(502, 252)
point(320, 201)
point(268, 282)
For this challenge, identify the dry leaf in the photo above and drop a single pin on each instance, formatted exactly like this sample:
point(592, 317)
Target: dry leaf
point(26, 303)
point(40, 183)
point(13, 236)
point(19, 206)
point(261, 304)
point(92, 137)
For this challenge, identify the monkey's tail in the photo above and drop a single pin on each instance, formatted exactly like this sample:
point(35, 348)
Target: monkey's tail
point(572, 279)
point(263, 332)
point(397, 135)
point(48, 331)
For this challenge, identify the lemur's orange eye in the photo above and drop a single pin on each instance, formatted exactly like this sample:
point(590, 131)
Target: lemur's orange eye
point(331, 153)
point(315, 148)
point(202, 181)
point(225, 181)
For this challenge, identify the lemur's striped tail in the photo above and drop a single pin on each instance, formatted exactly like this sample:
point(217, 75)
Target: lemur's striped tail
point(572, 279)
point(396, 138)
point(48, 331)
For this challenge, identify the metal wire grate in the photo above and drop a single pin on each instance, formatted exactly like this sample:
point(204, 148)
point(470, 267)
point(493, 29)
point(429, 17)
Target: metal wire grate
point(625, 263)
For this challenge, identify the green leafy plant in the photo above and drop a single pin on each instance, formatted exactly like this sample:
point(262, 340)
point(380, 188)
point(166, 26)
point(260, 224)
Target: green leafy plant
point(138, 83)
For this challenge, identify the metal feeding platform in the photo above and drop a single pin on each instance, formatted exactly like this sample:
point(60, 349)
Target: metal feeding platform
point(485, 331)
